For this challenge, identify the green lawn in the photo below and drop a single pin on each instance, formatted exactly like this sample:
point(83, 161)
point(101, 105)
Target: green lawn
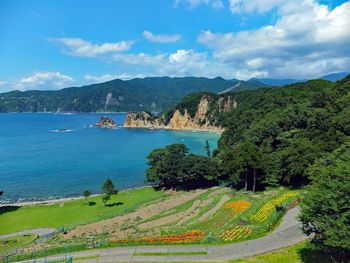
point(75, 212)
point(299, 253)
point(11, 243)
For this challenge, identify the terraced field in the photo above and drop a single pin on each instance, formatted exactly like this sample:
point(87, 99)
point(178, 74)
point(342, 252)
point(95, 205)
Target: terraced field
point(205, 216)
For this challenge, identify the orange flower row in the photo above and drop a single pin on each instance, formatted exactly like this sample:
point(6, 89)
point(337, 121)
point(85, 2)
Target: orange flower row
point(189, 237)
point(238, 206)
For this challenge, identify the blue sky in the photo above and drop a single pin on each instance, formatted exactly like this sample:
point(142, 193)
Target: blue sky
point(47, 44)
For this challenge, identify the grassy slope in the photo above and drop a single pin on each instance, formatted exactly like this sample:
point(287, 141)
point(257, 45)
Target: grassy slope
point(298, 253)
point(11, 243)
point(286, 255)
point(73, 213)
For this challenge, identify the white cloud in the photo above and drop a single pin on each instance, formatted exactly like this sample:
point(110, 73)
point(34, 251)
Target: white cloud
point(44, 81)
point(83, 48)
point(108, 77)
point(216, 4)
point(140, 59)
point(180, 63)
point(160, 38)
point(307, 40)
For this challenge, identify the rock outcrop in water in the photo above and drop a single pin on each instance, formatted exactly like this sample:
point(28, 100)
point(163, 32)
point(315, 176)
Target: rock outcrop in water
point(106, 122)
point(195, 112)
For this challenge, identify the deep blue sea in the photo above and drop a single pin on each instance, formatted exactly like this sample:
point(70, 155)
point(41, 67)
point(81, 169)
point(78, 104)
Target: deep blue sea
point(38, 161)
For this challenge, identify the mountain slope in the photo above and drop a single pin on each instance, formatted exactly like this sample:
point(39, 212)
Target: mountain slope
point(334, 76)
point(282, 82)
point(151, 94)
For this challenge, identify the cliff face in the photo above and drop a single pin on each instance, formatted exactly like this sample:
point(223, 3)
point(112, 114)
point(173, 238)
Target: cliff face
point(205, 117)
point(141, 120)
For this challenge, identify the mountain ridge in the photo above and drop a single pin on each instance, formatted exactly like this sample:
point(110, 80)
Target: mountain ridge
point(282, 82)
point(149, 94)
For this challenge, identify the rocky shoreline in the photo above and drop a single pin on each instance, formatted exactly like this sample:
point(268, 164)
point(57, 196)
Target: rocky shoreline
point(182, 119)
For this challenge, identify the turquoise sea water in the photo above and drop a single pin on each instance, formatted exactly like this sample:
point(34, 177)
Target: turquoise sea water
point(38, 161)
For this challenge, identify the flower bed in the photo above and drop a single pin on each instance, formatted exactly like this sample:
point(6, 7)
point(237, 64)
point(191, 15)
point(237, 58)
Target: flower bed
point(267, 209)
point(238, 232)
point(238, 207)
point(188, 237)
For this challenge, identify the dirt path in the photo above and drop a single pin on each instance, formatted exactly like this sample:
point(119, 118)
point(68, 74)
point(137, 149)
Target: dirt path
point(41, 232)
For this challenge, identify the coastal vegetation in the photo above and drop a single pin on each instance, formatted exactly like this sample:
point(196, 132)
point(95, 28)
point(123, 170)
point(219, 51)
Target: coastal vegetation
point(274, 135)
point(173, 167)
point(326, 210)
point(72, 213)
point(86, 194)
point(289, 136)
point(108, 190)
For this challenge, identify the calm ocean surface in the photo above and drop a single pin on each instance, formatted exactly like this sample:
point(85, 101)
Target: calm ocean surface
point(37, 161)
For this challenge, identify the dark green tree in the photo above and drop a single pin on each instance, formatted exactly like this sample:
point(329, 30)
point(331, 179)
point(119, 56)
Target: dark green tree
point(108, 190)
point(326, 210)
point(172, 167)
point(87, 194)
point(197, 172)
point(108, 187)
point(207, 148)
point(243, 160)
point(106, 198)
point(165, 165)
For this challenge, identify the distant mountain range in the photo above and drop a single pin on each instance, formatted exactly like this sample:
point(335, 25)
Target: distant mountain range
point(140, 94)
point(282, 82)
point(148, 94)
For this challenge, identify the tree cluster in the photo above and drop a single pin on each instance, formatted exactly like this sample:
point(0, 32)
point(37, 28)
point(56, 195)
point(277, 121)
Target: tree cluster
point(291, 136)
point(174, 167)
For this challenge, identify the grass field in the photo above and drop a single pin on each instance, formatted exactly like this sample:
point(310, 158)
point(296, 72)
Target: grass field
point(76, 212)
point(299, 253)
point(11, 243)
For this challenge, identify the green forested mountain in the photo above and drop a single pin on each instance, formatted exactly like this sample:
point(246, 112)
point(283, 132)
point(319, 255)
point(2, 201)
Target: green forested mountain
point(151, 94)
point(292, 136)
point(274, 135)
point(290, 128)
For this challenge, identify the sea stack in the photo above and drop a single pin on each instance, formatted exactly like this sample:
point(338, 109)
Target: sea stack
point(106, 122)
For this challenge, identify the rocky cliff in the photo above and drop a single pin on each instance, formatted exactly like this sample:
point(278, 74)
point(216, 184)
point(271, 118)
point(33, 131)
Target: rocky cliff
point(106, 122)
point(195, 112)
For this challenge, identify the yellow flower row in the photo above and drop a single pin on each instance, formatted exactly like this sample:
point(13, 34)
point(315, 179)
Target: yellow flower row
point(238, 206)
point(267, 209)
point(236, 233)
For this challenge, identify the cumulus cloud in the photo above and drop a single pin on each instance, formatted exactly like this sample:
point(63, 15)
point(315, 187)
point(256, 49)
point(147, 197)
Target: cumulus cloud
point(216, 4)
point(108, 77)
point(140, 59)
point(83, 48)
point(44, 81)
point(160, 38)
point(179, 63)
point(307, 40)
